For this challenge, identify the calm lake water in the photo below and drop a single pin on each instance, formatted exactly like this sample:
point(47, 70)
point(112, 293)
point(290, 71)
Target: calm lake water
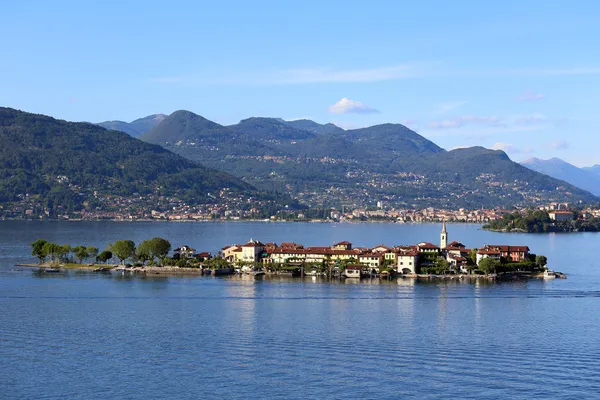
point(95, 336)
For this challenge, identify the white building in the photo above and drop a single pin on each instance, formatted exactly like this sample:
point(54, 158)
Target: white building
point(252, 251)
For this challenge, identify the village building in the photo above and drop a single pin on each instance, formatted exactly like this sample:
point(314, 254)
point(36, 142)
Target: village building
point(342, 246)
point(561, 216)
point(487, 252)
point(232, 253)
point(203, 256)
point(252, 251)
point(372, 260)
point(184, 252)
point(512, 253)
point(407, 261)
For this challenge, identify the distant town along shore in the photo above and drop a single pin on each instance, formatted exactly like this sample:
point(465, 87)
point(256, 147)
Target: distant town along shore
point(342, 260)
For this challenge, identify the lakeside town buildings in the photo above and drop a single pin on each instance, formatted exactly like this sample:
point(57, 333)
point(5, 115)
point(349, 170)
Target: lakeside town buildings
point(404, 259)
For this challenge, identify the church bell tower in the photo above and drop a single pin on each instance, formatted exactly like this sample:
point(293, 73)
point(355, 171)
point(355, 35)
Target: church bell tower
point(443, 236)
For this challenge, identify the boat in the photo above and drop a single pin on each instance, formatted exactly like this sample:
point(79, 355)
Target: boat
point(52, 270)
point(102, 269)
point(549, 274)
point(257, 273)
point(224, 271)
point(352, 271)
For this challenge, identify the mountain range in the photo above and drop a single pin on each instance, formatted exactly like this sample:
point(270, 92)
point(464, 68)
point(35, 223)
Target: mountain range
point(51, 165)
point(134, 128)
point(324, 165)
point(587, 178)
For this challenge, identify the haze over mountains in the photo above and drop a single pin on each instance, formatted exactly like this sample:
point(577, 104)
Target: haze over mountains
point(587, 178)
point(326, 165)
point(134, 128)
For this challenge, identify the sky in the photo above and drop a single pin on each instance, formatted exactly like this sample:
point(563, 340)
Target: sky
point(521, 76)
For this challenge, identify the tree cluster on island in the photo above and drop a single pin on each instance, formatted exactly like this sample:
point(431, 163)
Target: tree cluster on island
point(152, 252)
point(539, 221)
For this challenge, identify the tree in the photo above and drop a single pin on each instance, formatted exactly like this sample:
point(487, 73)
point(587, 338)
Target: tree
point(81, 253)
point(472, 258)
point(160, 248)
point(441, 265)
point(37, 249)
point(488, 265)
point(92, 253)
point(541, 261)
point(144, 251)
point(63, 252)
point(123, 249)
point(51, 249)
point(104, 256)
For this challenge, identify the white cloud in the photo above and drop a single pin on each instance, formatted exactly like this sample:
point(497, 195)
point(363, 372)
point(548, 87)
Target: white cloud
point(346, 106)
point(484, 125)
point(297, 76)
point(509, 148)
point(458, 122)
point(559, 145)
point(448, 106)
point(531, 119)
point(530, 96)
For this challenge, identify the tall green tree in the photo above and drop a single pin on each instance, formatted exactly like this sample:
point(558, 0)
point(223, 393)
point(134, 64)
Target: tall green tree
point(104, 256)
point(441, 265)
point(81, 253)
point(123, 249)
point(92, 253)
point(63, 252)
point(37, 249)
point(541, 261)
point(145, 251)
point(160, 248)
point(52, 250)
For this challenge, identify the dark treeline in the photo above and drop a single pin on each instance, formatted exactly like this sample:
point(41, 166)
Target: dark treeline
point(538, 221)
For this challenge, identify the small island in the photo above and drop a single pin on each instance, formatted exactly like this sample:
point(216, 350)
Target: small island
point(540, 221)
point(340, 260)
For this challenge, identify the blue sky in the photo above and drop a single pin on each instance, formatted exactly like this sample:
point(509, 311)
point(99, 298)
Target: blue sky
point(519, 76)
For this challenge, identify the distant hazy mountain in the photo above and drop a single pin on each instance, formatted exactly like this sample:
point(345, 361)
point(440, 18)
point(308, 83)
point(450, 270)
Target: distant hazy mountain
point(321, 164)
point(583, 178)
point(594, 169)
point(134, 128)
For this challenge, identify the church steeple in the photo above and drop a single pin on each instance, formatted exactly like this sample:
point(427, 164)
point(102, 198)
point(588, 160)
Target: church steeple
point(443, 235)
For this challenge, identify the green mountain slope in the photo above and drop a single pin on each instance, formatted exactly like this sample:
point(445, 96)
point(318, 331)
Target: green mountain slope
point(311, 126)
point(134, 128)
point(181, 125)
point(69, 164)
point(386, 162)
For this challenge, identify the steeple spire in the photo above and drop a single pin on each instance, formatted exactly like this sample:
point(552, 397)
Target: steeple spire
point(443, 235)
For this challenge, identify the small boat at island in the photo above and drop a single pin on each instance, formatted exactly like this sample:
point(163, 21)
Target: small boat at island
point(257, 273)
point(102, 269)
point(223, 271)
point(52, 270)
point(352, 271)
point(549, 274)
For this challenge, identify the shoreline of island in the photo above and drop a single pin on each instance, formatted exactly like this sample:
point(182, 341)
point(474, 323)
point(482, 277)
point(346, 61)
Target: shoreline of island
point(198, 272)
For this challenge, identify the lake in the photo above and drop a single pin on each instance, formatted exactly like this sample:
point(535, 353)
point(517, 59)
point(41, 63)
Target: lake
point(96, 336)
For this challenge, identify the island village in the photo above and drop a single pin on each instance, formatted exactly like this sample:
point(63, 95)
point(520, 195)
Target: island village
point(345, 261)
